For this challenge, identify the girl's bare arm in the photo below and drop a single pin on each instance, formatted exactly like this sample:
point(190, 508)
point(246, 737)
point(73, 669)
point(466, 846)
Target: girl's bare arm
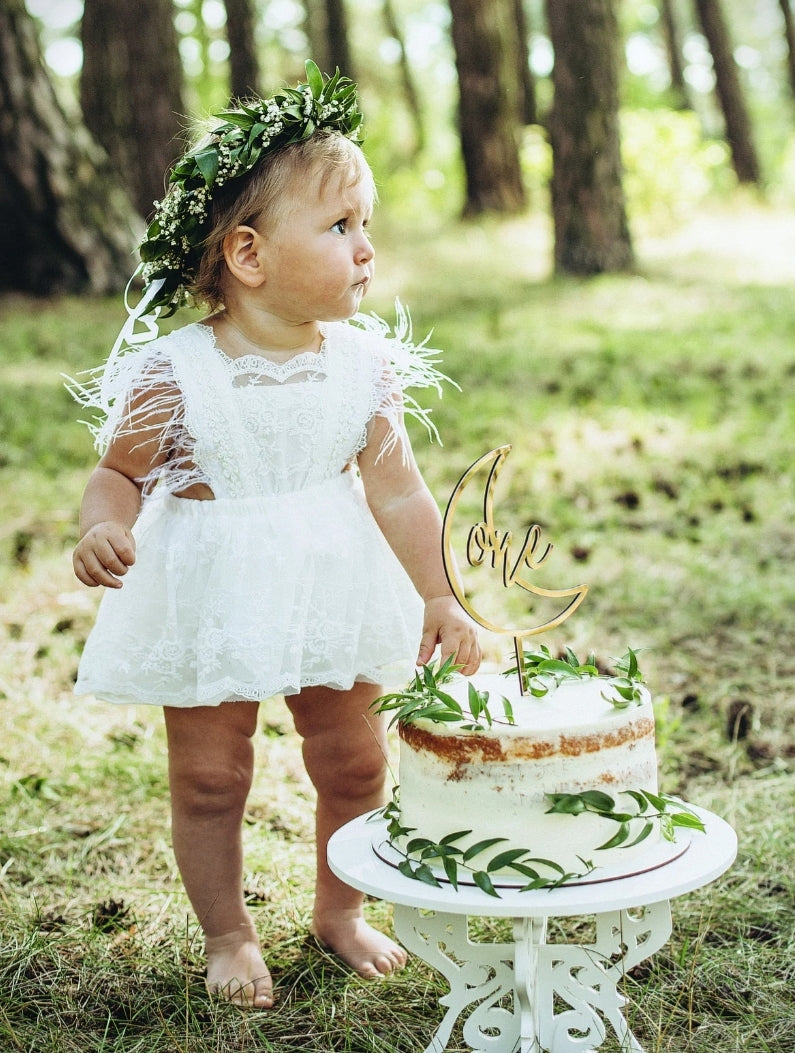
point(111, 504)
point(408, 516)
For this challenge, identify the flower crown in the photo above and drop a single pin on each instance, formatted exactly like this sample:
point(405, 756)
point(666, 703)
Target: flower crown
point(174, 241)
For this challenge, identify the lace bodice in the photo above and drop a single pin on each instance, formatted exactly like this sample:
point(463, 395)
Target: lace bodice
point(252, 427)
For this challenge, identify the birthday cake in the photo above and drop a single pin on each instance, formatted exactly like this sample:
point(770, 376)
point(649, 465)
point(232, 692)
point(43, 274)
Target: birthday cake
point(531, 790)
point(542, 776)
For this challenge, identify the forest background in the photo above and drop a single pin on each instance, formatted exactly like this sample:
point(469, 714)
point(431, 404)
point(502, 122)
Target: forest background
point(644, 381)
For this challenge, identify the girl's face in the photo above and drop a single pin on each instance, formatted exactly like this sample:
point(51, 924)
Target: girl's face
point(318, 256)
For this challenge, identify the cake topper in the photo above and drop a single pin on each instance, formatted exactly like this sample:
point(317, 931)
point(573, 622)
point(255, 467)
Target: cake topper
point(486, 541)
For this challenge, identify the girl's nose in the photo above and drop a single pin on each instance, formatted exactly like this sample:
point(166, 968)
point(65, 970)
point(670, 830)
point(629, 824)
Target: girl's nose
point(364, 250)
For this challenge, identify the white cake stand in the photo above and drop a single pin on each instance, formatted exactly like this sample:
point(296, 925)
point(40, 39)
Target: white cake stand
point(529, 996)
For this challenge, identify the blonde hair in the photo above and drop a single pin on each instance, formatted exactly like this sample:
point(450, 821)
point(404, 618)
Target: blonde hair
point(259, 197)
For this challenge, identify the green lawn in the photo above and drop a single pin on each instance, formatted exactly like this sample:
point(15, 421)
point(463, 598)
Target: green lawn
point(651, 419)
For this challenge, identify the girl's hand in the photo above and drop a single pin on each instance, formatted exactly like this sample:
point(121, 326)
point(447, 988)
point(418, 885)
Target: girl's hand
point(104, 554)
point(447, 625)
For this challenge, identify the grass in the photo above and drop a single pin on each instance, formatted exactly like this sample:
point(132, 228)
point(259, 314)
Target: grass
point(652, 423)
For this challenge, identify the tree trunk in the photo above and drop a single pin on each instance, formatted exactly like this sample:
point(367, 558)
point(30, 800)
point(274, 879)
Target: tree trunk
point(789, 36)
point(489, 106)
point(409, 88)
point(591, 230)
point(243, 63)
point(528, 107)
point(67, 225)
point(317, 33)
point(673, 50)
point(131, 91)
point(339, 51)
point(730, 95)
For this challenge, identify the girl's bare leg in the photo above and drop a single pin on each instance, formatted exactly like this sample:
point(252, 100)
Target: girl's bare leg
point(344, 752)
point(211, 764)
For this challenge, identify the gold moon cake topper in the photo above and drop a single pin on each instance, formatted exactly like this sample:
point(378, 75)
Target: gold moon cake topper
point(486, 541)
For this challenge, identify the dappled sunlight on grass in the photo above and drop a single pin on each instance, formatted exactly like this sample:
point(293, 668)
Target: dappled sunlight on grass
point(741, 243)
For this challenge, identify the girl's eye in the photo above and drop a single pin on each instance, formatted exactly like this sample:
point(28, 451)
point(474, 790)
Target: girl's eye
point(340, 226)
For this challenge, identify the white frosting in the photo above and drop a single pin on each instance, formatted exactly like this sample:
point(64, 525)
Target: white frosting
point(495, 782)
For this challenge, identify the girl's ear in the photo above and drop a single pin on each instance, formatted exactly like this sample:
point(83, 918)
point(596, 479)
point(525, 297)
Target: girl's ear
point(244, 256)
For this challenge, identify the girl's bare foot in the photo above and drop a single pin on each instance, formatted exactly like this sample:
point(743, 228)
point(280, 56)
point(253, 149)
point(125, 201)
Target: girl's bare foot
point(368, 952)
point(236, 970)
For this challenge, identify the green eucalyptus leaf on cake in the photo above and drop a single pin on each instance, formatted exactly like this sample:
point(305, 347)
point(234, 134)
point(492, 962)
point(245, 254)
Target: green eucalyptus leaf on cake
point(481, 846)
point(669, 812)
point(536, 884)
point(571, 657)
point(484, 882)
point(598, 799)
point(549, 863)
point(417, 844)
point(688, 820)
point(406, 868)
point(529, 872)
point(424, 873)
point(645, 832)
point(640, 798)
point(619, 838)
point(505, 859)
point(478, 702)
point(557, 666)
point(450, 838)
point(658, 801)
point(566, 804)
point(543, 672)
point(425, 699)
point(451, 871)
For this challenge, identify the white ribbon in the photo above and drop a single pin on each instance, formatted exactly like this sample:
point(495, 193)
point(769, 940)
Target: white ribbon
point(128, 336)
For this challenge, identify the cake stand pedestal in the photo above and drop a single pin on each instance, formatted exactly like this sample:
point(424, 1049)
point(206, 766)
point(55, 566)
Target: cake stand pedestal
point(528, 996)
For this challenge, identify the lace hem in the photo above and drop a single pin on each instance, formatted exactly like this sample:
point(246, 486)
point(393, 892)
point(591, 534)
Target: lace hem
point(228, 689)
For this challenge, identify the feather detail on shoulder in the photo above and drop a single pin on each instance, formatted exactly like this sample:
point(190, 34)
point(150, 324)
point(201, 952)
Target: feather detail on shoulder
point(404, 365)
point(136, 393)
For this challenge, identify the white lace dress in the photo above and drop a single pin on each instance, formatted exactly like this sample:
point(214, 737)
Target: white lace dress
point(284, 580)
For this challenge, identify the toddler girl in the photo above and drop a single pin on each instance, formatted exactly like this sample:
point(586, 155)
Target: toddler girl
point(258, 500)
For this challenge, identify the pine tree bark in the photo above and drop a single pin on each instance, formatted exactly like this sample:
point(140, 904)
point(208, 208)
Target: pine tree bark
point(789, 36)
point(489, 104)
point(244, 72)
point(528, 106)
point(317, 33)
point(730, 95)
point(673, 49)
point(339, 50)
point(591, 230)
point(131, 91)
point(410, 93)
point(67, 225)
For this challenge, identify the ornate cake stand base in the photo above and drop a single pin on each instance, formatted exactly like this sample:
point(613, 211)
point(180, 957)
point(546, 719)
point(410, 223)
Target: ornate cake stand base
point(530, 996)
